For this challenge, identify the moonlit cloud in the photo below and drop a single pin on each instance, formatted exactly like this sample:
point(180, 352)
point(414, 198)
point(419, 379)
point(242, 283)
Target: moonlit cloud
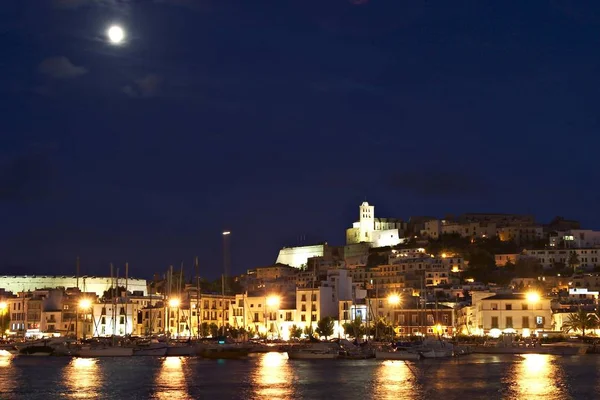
point(148, 86)
point(60, 68)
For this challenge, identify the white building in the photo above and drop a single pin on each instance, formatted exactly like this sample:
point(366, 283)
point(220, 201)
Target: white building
point(93, 284)
point(588, 257)
point(493, 314)
point(575, 238)
point(298, 256)
point(380, 232)
point(583, 294)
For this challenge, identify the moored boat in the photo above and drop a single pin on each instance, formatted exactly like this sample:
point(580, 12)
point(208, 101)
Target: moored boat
point(104, 351)
point(400, 353)
point(315, 351)
point(156, 349)
point(182, 350)
point(36, 351)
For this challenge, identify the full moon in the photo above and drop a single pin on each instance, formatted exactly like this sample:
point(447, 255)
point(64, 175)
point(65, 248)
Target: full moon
point(116, 34)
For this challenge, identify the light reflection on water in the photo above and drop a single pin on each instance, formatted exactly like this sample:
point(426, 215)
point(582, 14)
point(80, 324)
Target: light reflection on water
point(537, 376)
point(170, 381)
point(394, 380)
point(273, 377)
point(82, 378)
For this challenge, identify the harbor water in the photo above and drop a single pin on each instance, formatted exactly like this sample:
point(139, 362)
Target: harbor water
point(274, 376)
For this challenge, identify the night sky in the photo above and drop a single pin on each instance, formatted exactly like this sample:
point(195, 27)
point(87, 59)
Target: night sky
point(276, 119)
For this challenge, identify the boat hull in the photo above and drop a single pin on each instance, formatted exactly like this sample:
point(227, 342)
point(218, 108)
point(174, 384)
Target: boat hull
point(106, 352)
point(554, 350)
point(217, 354)
point(292, 355)
point(155, 352)
point(181, 351)
point(397, 355)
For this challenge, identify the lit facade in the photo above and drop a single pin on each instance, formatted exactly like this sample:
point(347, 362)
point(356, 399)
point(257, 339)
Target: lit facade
point(379, 232)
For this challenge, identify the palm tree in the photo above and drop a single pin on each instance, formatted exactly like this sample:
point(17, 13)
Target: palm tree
point(581, 320)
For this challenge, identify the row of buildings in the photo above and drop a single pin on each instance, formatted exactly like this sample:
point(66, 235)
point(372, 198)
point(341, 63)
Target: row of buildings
point(371, 278)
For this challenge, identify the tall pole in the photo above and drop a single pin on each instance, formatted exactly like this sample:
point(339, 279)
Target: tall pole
point(76, 306)
point(197, 297)
point(226, 235)
point(226, 254)
point(126, 302)
point(223, 304)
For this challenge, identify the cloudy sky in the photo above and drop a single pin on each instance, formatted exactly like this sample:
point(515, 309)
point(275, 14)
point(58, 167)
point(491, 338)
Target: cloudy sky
point(276, 118)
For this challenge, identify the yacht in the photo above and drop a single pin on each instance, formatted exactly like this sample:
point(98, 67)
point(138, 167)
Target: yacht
point(398, 353)
point(103, 351)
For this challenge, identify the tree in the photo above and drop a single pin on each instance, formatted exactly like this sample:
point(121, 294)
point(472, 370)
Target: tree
point(325, 327)
point(204, 329)
point(214, 329)
point(308, 330)
point(295, 332)
point(354, 328)
point(580, 321)
point(528, 267)
point(573, 261)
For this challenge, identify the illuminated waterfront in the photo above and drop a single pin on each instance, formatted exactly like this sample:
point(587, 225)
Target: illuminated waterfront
point(273, 376)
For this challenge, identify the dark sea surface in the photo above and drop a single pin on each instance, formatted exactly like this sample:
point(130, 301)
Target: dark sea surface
point(273, 376)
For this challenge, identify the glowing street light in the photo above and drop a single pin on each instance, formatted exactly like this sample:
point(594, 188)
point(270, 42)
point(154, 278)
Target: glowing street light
point(85, 304)
point(273, 301)
point(174, 303)
point(533, 297)
point(225, 233)
point(3, 306)
point(393, 299)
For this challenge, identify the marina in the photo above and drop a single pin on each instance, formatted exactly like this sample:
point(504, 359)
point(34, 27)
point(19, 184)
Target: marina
point(275, 376)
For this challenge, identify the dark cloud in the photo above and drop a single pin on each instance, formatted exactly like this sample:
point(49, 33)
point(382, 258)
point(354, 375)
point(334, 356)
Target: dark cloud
point(148, 86)
point(72, 4)
point(427, 183)
point(26, 176)
point(60, 68)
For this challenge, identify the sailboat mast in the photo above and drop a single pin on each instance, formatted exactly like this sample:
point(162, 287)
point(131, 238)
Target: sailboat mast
point(126, 302)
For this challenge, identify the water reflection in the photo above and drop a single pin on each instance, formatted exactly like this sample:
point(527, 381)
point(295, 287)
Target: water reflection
point(170, 381)
point(272, 379)
point(536, 377)
point(82, 378)
point(394, 380)
point(5, 358)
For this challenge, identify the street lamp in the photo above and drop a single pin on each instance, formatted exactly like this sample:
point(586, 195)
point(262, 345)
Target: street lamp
point(174, 303)
point(533, 298)
point(394, 300)
point(84, 305)
point(3, 307)
point(272, 302)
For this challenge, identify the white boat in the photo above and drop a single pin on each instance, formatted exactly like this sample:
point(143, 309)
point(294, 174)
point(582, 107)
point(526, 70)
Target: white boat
point(398, 354)
point(181, 350)
point(107, 351)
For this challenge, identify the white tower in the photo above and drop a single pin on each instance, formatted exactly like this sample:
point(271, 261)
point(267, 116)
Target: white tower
point(366, 222)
